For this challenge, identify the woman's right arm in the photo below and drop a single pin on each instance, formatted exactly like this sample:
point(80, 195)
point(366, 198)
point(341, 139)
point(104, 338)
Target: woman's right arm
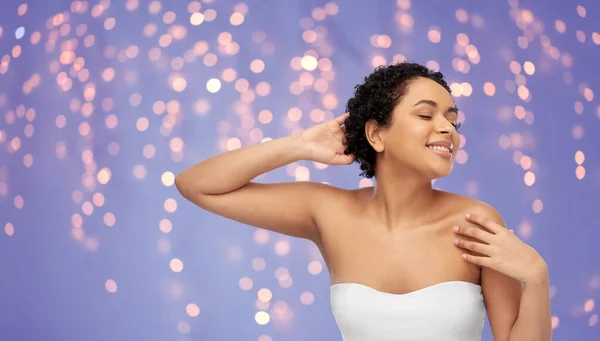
point(222, 185)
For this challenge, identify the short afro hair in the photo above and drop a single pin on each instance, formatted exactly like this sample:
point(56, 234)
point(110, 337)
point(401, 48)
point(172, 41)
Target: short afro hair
point(376, 99)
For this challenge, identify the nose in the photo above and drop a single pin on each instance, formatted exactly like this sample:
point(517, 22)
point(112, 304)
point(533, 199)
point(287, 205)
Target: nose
point(443, 126)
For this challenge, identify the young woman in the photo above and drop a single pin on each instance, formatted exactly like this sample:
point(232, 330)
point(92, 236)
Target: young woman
point(406, 261)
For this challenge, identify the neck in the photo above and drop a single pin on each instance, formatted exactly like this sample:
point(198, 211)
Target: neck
point(402, 199)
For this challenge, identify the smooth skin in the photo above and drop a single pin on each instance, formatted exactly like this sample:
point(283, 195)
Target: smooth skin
point(396, 236)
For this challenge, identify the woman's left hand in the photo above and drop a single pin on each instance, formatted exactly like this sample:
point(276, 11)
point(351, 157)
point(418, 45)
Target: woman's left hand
point(505, 252)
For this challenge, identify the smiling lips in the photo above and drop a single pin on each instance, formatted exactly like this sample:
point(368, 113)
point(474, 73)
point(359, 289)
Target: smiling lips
point(442, 148)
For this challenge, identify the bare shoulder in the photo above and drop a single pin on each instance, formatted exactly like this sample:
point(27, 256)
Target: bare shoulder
point(331, 199)
point(464, 204)
point(335, 204)
point(502, 294)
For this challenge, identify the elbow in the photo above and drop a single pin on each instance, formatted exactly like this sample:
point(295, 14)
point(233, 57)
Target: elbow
point(182, 185)
point(189, 185)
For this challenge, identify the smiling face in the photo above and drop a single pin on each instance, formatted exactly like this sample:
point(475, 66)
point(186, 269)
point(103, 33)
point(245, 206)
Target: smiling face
point(422, 136)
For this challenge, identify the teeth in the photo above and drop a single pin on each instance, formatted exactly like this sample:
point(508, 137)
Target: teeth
point(444, 149)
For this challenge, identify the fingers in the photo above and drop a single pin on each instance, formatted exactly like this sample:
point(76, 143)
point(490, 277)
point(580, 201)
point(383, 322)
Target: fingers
point(485, 222)
point(342, 118)
point(474, 232)
point(343, 160)
point(480, 248)
point(481, 261)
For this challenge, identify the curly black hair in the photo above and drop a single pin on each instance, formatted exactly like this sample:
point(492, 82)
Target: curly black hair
point(376, 99)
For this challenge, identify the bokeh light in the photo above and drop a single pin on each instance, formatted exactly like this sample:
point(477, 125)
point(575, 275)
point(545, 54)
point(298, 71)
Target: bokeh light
point(102, 103)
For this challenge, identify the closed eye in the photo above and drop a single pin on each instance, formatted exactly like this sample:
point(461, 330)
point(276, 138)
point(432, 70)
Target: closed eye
point(455, 124)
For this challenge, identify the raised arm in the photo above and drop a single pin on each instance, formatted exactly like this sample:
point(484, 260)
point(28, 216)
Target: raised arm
point(222, 184)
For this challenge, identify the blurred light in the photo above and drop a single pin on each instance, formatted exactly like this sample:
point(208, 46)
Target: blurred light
point(258, 264)
point(264, 295)
point(580, 172)
point(210, 15)
point(433, 65)
point(489, 89)
point(555, 322)
point(529, 178)
point(98, 199)
point(315, 268)
point(184, 327)
point(196, 19)
point(257, 66)
point(580, 36)
point(434, 35)
point(168, 179)
point(515, 67)
point(109, 23)
point(282, 247)
point(104, 176)
point(213, 85)
point(111, 286)
point(307, 298)
point(245, 283)
point(194, 6)
point(22, 10)
point(192, 310)
point(163, 246)
point(236, 19)
point(9, 229)
point(579, 157)
point(165, 226)
point(462, 156)
point(578, 107)
point(529, 68)
point(588, 94)
point(179, 84)
point(577, 132)
point(109, 219)
point(262, 317)
point(461, 16)
point(20, 32)
point(537, 206)
point(176, 265)
point(170, 205)
point(309, 63)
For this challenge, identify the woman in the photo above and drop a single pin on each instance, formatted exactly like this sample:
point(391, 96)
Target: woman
point(406, 261)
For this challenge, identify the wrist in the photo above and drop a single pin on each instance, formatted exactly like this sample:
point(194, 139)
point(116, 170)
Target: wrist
point(298, 147)
point(539, 277)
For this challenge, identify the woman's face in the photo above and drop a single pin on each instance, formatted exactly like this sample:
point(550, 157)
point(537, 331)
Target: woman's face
point(425, 116)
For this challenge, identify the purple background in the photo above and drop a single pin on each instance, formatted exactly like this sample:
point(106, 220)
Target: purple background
point(59, 246)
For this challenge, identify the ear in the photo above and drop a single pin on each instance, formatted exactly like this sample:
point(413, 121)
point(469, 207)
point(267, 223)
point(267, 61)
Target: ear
point(374, 135)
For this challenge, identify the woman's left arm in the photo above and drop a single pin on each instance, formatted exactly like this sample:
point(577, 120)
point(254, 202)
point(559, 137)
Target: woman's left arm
point(534, 321)
point(516, 312)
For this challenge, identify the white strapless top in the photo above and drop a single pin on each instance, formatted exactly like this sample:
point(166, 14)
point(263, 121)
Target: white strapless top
point(448, 311)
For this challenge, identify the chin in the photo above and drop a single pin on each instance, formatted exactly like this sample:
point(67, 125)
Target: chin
point(440, 171)
point(439, 165)
point(439, 175)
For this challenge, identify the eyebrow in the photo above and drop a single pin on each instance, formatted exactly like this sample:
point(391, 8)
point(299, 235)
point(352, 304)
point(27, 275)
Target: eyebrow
point(435, 105)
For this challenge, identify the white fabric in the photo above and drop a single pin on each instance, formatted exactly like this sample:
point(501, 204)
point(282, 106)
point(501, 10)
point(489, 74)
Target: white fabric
point(449, 311)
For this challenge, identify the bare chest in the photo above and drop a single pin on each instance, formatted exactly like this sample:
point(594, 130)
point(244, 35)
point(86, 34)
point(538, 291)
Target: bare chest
point(396, 262)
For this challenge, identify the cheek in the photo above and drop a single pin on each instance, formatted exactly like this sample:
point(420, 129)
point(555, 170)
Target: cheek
point(408, 137)
point(456, 140)
point(418, 133)
point(411, 137)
